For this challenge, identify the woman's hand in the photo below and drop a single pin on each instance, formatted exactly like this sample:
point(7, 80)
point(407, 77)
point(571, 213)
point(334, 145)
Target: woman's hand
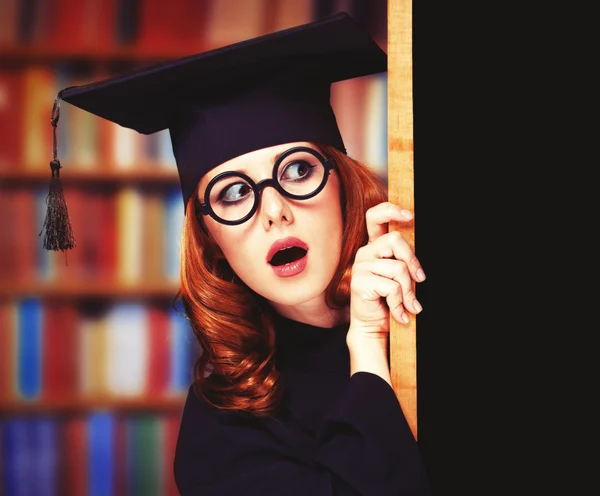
point(382, 276)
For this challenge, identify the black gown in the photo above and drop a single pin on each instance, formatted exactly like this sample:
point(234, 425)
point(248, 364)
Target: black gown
point(336, 435)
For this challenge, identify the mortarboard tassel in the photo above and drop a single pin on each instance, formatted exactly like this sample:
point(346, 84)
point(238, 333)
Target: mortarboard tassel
point(59, 234)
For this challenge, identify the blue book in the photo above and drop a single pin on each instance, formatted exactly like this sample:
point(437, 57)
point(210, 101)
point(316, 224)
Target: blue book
point(29, 347)
point(45, 446)
point(181, 351)
point(101, 431)
point(17, 469)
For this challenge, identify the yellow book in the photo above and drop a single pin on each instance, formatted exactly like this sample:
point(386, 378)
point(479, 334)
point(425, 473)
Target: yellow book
point(129, 235)
point(39, 93)
point(93, 356)
point(153, 238)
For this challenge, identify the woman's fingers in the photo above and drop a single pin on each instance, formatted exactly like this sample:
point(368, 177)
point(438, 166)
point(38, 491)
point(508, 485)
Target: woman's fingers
point(392, 246)
point(379, 216)
point(389, 279)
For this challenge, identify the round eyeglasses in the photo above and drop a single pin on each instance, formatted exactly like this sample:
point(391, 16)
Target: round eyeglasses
point(299, 173)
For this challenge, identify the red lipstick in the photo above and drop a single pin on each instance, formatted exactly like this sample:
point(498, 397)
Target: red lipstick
point(294, 267)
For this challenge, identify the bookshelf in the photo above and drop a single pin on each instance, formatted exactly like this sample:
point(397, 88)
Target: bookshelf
point(94, 361)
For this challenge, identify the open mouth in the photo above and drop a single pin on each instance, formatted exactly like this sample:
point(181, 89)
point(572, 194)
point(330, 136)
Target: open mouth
point(287, 255)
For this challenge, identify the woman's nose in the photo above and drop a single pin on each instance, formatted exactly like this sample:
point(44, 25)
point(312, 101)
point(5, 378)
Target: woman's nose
point(273, 208)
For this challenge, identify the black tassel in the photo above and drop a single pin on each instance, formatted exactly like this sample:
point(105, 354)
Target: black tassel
point(59, 233)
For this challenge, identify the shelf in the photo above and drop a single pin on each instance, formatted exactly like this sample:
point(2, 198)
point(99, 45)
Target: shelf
point(88, 290)
point(151, 176)
point(82, 405)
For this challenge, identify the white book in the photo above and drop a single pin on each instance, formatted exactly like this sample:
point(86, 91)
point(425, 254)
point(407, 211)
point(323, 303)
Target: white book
point(127, 349)
point(376, 146)
point(126, 146)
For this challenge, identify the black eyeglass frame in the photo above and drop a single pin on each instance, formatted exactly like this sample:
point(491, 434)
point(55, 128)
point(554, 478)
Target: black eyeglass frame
point(327, 163)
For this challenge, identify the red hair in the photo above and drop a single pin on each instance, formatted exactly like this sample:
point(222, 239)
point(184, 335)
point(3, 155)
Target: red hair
point(233, 324)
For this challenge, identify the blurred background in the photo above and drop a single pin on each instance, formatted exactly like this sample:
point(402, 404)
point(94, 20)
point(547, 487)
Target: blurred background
point(95, 360)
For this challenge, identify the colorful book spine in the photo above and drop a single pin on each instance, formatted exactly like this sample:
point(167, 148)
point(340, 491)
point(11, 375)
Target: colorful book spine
point(127, 347)
point(45, 456)
point(173, 228)
point(29, 348)
point(101, 454)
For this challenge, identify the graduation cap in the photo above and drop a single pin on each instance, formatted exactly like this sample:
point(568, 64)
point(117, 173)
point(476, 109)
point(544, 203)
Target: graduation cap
point(232, 100)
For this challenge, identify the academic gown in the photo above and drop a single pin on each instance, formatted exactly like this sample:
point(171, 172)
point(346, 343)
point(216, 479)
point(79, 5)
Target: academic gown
point(335, 435)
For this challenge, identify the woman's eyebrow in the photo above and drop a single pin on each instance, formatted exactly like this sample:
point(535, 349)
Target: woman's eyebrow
point(276, 157)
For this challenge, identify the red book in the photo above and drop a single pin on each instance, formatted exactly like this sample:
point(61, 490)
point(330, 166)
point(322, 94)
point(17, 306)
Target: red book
point(106, 236)
point(24, 236)
point(120, 457)
point(73, 468)
point(8, 221)
point(180, 28)
point(171, 432)
point(159, 350)
point(11, 126)
point(7, 351)
point(73, 25)
point(61, 351)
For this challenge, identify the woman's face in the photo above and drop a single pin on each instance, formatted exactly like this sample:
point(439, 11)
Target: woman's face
point(289, 249)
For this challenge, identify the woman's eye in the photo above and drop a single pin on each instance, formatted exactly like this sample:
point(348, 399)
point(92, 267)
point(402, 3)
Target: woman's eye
point(296, 170)
point(234, 192)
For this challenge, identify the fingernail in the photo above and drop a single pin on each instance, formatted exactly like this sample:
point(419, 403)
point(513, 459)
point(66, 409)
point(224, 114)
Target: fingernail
point(404, 317)
point(420, 275)
point(417, 305)
point(407, 214)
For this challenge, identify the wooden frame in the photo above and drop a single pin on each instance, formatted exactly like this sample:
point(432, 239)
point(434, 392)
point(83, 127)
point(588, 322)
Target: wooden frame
point(403, 363)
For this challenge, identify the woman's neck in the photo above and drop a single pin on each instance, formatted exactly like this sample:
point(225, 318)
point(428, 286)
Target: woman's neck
point(316, 315)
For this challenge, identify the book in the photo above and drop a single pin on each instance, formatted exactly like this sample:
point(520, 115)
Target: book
point(106, 234)
point(7, 351)
point(74, 467)
point(9, 23)
point(75, 25)
point(129, 212)
point(39, 92)
point(11, 126)
point(93, 346)
point(21, 236)
point(289, 13)
point(230, 21)
point(375, 124)
point(177, 29)
point(172, 231)
point(16, 457)
point(171, 423)
point(29, 345)
point(159, 346)
point(44, 260)
point(153, 239)
point(61, 352)
point(144, 452)
point(182, 351)
point(101, 453)
point(45, 460)
point(127, 349)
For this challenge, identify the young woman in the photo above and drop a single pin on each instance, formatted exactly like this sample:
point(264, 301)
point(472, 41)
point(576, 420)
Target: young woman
point(288, 272)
